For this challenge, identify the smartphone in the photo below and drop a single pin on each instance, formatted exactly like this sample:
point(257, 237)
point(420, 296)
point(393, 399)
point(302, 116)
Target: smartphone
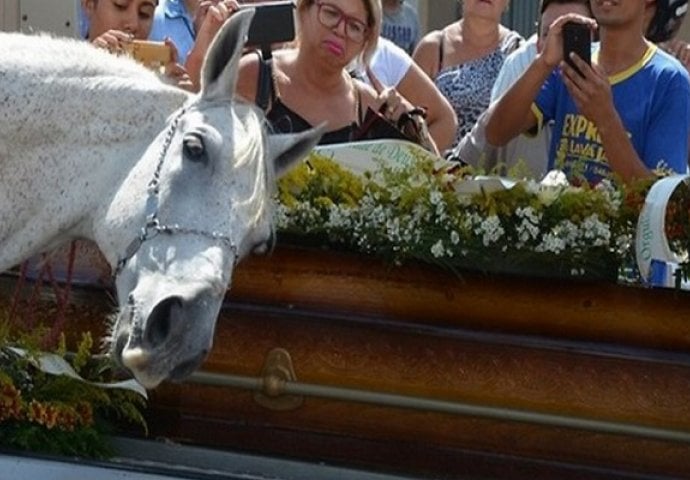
point(154, 55)
point(577, 37)
point(273, 22)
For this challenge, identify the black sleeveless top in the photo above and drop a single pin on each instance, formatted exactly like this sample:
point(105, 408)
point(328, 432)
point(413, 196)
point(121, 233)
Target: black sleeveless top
point(285, 120)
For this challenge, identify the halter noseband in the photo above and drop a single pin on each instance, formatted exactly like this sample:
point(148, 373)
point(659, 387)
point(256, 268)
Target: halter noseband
point(152, 228)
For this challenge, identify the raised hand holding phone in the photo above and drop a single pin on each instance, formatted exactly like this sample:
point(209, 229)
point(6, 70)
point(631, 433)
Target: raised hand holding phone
point(155, 55)
point(577, 39)
point(273, 23)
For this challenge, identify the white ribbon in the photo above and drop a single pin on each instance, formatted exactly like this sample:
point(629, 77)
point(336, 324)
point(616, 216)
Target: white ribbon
point(56, 365)
point(651, 242)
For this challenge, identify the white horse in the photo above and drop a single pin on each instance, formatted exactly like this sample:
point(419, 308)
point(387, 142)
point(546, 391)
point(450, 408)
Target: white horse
point(174, 188)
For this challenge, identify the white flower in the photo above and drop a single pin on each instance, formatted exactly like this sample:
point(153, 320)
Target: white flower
point(454, 237)
point(551, 243)
point(555, 178)
point(490, 230)
point(548, 195)
point(339, 217)
point(435, 197)
point(596, 231)
point(437, 249)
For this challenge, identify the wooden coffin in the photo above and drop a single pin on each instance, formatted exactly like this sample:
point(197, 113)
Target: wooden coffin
point(340, 358)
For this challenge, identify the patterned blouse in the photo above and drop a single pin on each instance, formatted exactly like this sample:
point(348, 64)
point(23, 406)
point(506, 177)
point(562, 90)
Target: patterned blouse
point(468, 86)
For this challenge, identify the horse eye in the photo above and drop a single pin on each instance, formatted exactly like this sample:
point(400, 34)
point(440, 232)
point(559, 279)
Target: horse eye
point(193, 147)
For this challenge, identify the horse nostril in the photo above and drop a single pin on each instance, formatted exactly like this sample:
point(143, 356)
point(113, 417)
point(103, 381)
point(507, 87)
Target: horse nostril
point(160, 320)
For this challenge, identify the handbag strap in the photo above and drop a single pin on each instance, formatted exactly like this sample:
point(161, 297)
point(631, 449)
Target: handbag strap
point(265, 90)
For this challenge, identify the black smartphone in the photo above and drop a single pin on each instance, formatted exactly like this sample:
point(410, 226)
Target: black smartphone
point(273, 22)
point(577, 37)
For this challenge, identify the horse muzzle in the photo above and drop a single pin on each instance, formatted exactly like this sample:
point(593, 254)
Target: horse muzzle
point(170, 343)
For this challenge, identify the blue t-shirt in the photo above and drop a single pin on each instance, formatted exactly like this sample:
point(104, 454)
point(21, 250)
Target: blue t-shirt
point(653, 100)
point(171, 19)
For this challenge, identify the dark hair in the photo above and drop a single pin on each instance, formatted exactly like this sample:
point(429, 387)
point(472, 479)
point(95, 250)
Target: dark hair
point(545, 3)
point(667, 19)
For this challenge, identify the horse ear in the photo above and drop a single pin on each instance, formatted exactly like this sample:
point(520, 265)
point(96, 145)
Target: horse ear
point(287, 149)
point(219, 72)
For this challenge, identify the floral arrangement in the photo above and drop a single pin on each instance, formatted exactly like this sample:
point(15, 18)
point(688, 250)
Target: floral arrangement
point(59, 414)
point(416, 211)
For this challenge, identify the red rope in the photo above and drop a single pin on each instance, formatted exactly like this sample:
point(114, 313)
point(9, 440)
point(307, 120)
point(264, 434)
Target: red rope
point(62, 299)
point(18, 292)
point(45, 274)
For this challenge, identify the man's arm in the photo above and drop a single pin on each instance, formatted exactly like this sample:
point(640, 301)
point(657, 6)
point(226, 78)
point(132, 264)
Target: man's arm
point(512, 113)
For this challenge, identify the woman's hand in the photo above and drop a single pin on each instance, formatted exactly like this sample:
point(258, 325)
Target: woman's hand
point(210, 17)
point(176, 72)
point(392, 105)
point(113, 40)
point(410, 120)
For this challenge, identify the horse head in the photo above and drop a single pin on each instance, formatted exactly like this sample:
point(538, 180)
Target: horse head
point(201, 196)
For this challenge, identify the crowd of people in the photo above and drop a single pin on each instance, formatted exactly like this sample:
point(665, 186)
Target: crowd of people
point(474, 91)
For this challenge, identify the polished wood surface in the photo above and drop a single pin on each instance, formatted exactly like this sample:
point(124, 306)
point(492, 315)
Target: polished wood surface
point(572, 349)
point(350, 284)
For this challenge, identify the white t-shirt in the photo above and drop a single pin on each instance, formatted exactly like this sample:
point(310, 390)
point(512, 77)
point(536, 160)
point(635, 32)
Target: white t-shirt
point(514, 66)
point(389, 63)
point(532, 150)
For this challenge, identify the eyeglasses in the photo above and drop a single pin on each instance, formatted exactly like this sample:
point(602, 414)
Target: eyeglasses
point(331, 16)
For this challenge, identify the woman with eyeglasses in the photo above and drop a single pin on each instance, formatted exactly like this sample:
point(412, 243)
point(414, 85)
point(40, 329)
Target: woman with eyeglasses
point(308, 83)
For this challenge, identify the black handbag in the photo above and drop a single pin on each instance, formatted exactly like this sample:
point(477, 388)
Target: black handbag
point(411, 126)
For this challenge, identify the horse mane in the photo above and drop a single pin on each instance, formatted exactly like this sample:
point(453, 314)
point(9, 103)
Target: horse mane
point(62, 87)
point(254, 144)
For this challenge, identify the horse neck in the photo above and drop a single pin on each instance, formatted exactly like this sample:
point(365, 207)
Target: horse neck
point(68, 139)
point(65, 92)
point(72, 125)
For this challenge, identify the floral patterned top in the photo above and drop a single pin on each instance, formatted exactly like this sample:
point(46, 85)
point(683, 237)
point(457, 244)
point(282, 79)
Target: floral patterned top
point(468, 86)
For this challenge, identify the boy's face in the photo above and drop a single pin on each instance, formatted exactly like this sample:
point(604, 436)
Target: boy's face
point(130, 16)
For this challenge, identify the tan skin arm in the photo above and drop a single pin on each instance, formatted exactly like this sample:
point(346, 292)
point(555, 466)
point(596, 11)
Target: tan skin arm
point(512, 114)
point(418, 88)
point(248, 77)
point(214, 15)
point(426, 53)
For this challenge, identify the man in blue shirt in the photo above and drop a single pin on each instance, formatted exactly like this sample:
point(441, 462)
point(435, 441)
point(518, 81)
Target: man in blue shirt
point(627, 114)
